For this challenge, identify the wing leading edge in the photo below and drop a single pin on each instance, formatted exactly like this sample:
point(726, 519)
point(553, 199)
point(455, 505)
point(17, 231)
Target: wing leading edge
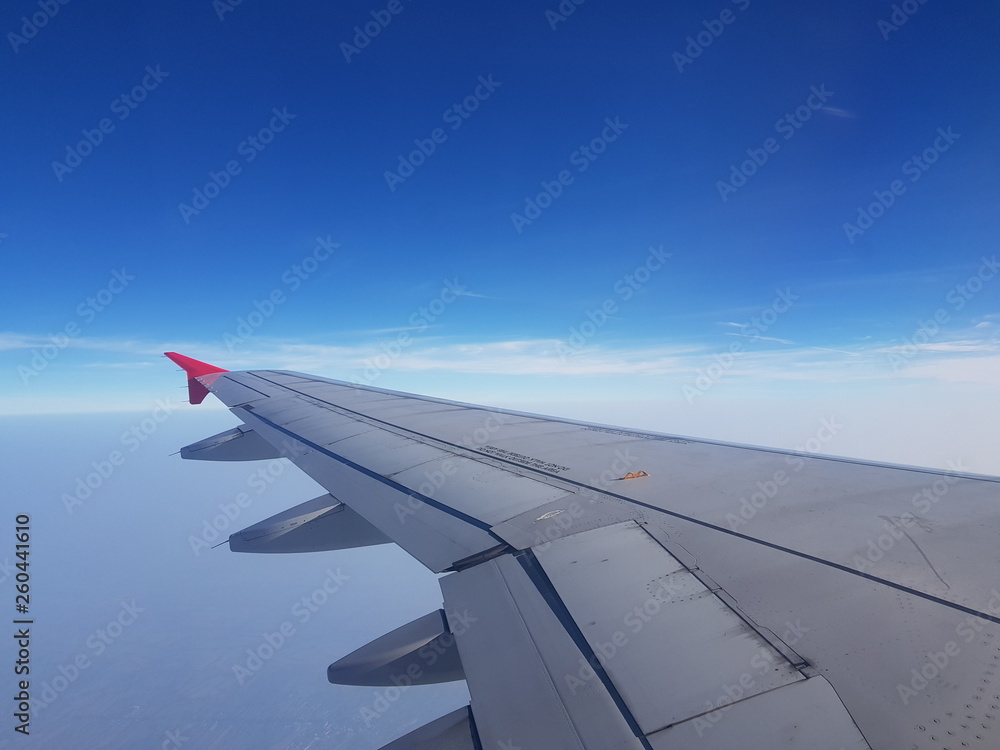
point(609, 588)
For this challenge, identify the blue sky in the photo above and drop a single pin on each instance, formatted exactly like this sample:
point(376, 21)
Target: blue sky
point(737, 220)
point(810, 115)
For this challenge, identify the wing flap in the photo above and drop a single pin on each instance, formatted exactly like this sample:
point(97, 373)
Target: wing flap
point(807, 715)
point(666, 641)
point(519, 661)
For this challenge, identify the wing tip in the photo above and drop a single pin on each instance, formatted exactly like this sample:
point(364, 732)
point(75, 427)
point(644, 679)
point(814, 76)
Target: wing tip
point(194, 368)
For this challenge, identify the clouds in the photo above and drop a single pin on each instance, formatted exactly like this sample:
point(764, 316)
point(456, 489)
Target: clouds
point(970, 355)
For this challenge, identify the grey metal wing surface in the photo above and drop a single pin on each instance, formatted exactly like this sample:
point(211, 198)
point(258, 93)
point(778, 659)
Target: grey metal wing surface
point(612, 588)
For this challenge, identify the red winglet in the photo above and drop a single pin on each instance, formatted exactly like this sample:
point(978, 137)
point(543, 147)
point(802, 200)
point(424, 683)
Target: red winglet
point(194, 369)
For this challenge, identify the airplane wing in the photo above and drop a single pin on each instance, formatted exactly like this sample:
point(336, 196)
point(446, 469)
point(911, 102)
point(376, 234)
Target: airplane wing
point(612, 588)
